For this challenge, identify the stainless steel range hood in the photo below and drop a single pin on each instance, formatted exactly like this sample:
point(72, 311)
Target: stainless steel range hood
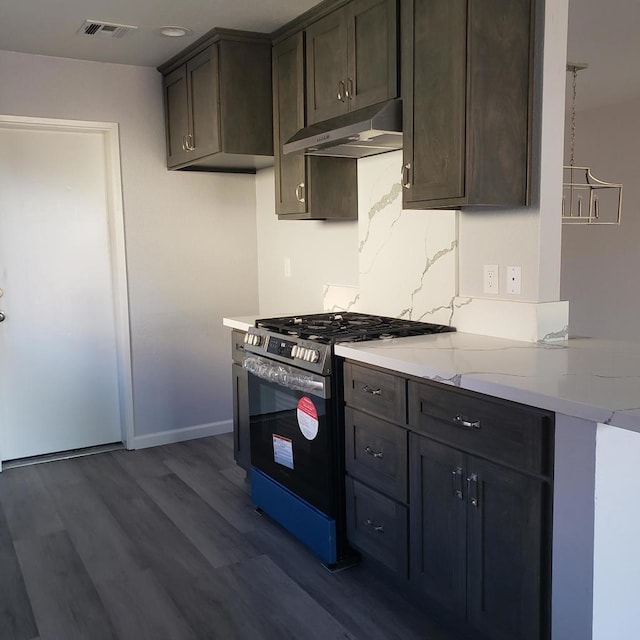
point(361, 133)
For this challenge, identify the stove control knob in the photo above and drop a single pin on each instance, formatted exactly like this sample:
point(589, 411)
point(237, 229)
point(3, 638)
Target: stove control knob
point(303, 353)
point(314, 356)
point(295, 351)
point(253, 339)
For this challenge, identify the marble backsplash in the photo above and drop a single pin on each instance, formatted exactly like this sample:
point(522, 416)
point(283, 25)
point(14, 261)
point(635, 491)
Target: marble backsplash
point(407, 259)
point(407, 267)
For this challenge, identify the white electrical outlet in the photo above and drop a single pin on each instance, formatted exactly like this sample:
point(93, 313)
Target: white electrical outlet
point(287, 267)
point(491, 279)
point(514, 280)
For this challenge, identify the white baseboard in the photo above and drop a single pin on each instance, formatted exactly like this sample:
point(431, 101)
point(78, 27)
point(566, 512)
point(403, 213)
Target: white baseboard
point(180, 435)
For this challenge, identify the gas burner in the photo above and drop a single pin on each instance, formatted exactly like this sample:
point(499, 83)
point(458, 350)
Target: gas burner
point(329, 328)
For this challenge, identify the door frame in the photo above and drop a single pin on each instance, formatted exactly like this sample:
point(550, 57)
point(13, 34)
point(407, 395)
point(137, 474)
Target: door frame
point(117, 248)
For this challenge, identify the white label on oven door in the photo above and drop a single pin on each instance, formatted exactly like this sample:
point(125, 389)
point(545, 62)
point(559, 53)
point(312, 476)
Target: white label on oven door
point(283, 451)
point(307, 418)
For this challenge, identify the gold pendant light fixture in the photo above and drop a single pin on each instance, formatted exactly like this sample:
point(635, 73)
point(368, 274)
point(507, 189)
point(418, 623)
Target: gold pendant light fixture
point(585, 199)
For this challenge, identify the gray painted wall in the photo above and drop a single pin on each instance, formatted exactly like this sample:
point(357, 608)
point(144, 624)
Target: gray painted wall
point(601, 264)
point(320, 253)
point(190, 238)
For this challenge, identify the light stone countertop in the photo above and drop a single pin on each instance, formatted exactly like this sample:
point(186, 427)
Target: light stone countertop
point(241, 323)
point(596, 380)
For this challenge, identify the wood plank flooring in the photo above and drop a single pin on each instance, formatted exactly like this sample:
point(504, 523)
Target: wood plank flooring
point(164, 544)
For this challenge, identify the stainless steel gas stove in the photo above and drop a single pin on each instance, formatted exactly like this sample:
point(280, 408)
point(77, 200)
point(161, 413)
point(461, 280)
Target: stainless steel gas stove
point(296, 420)
point(306, 341)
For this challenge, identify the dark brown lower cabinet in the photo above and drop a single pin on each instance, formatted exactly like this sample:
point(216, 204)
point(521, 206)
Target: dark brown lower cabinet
point(477, 540)
point(377, 526)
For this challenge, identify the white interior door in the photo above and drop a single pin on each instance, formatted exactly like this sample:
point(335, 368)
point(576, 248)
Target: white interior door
point(59, 386)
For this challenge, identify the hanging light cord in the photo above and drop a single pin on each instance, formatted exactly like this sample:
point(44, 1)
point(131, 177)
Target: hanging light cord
point(573, 115)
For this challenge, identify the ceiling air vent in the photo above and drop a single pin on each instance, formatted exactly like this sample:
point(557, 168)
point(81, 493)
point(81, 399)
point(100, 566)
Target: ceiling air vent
point(105, 29)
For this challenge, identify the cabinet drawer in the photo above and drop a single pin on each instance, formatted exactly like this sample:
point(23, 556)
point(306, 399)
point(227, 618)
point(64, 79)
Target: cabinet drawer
point(376, 453)
point(237, 345)
point(502, 431)
point(382, 394)
point(377, 526)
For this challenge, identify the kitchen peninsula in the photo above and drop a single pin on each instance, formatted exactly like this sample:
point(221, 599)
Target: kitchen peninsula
point(592, 388)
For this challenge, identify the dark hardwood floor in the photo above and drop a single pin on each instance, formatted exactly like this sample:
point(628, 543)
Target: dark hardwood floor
point(164, 544)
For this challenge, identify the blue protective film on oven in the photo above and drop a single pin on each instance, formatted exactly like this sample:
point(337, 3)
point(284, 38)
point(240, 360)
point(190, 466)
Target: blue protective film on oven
point(305, 522)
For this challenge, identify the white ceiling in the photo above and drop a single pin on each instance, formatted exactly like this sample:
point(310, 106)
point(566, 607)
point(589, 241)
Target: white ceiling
point(48, 27)
point(602, 33)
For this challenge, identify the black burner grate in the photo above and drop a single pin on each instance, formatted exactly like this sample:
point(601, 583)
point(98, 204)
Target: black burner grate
point(348, 327)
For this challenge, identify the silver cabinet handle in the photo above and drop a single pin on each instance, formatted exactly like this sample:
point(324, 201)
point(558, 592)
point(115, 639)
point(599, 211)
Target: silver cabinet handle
point(349, 90)
point(463, 422)
point(376, 527)
point(190, 145)
point(341, 91)
point(406, 180)
point(2, 317)
point(371, 390)
point(472, 489)
point(372, 453)
point(457, 483)
point(184, 143)
point(300, 192)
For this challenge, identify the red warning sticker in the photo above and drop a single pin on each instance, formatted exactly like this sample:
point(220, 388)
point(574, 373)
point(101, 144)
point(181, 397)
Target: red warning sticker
point(307, 418)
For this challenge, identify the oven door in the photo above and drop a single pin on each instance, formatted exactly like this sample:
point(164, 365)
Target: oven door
point(293, 440)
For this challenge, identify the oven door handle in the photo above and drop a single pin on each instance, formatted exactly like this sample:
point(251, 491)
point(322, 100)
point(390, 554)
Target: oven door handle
point(286, 376)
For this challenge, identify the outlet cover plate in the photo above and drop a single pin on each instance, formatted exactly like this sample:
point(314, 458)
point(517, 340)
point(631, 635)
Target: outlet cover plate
point(514, 281)
point(491, 279)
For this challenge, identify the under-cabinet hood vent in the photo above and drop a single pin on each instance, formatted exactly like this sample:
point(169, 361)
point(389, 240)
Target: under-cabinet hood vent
point(365, 132)
point(105, 29)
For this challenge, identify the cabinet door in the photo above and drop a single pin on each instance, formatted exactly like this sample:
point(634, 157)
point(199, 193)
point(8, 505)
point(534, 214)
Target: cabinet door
point(326, 48)
point(381, 393)
point(376, 453)
point(288, 118)
point(202, 77)
point(434, 99)
point(373, 52)
point(241, 429)
point(176, 107)
point(438, 523)
point(306, 187)
point(377, 526)
point(506, 526)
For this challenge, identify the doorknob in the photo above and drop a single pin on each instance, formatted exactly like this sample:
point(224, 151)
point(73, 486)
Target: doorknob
point(2, 316)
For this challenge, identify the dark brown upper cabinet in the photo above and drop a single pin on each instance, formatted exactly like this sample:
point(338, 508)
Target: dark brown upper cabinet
point(467, 85)
point(217, 97)
point(306, 187)
point(352, 58)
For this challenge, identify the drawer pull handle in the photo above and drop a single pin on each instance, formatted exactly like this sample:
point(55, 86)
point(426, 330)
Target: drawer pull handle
point(469, 424)
point(371, 390)
point(375, 454)
point(379, 528)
